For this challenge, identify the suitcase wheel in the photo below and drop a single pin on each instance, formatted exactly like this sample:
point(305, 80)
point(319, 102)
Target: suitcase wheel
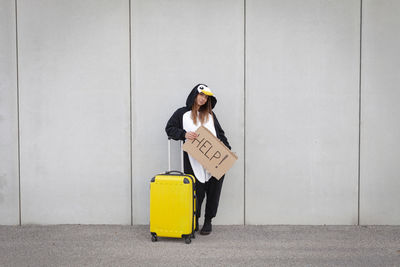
point(154, 237)
point(188, 240)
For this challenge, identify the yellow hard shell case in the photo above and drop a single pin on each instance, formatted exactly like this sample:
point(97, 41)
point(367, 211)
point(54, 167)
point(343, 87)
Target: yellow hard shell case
point(173, 206)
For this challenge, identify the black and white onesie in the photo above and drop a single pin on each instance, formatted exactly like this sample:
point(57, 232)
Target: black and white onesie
point(177, 126)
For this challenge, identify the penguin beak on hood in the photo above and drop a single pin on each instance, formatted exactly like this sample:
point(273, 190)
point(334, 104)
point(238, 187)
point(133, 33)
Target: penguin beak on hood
point(205, 90)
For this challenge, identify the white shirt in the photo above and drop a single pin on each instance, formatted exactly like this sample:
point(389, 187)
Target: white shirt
point(188, 125)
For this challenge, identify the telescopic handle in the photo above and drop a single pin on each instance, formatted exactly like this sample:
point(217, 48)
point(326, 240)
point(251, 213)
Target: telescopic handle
point(169, 154)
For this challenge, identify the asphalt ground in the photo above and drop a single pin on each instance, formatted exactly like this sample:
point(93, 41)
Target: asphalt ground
point(117, 245)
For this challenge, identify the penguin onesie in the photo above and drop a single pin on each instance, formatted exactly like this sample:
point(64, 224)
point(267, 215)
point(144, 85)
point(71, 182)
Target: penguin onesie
point(177, 126)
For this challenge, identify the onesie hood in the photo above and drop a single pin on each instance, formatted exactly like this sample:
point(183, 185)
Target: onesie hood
point(200, 88)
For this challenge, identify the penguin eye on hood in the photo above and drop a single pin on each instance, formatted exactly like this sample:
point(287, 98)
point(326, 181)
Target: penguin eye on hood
point(201, 87)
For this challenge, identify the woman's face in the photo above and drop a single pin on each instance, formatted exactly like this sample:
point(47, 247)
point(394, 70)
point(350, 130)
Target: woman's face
point(201, 99)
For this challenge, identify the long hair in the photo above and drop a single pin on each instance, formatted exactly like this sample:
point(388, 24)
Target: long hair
point(204, 110)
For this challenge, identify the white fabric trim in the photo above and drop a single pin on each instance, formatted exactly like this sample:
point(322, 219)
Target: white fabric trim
point(188, 125)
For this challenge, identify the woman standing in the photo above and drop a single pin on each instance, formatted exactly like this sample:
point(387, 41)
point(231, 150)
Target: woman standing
point(181, 126)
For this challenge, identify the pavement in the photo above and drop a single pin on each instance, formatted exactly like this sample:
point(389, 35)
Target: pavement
point(118, 245)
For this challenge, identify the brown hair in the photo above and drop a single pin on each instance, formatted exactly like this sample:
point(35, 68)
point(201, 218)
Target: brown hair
point(204, 110)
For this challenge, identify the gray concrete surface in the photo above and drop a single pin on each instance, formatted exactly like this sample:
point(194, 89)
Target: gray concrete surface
point(302, 72)
point(9, 192)
point(74, 112)
point(79, 245)
point(380, 131)
point(83, 135)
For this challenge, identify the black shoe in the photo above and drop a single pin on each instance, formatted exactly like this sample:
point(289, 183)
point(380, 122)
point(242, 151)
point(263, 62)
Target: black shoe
point(207, 228)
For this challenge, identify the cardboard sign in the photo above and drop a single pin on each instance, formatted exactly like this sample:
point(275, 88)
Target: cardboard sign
point(207, 149)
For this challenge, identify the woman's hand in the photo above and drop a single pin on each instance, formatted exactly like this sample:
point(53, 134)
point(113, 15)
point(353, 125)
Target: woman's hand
point(191, 135)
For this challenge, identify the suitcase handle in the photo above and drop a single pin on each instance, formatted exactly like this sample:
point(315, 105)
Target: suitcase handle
point(176, 172)
point(169, 154)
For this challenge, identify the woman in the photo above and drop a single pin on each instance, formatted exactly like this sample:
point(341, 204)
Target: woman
point(182, 126)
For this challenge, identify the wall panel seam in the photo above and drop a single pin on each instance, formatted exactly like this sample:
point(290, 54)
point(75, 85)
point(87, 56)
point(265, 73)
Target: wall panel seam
point(244, 111)
point(130, 107)
point(18, 114)
point(359, 114)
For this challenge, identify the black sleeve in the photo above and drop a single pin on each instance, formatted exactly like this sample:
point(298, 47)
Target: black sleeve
point(220, 132)
point(174, 126)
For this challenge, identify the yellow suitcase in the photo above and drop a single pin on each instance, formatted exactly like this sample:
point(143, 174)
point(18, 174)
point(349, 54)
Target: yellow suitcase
point(172, 205)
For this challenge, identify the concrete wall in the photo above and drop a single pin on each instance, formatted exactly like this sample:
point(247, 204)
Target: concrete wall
point(302, 112)
point(177, 44)
point(9, 184)
point(98, 80)
point(380, 131)
point(74, 111)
